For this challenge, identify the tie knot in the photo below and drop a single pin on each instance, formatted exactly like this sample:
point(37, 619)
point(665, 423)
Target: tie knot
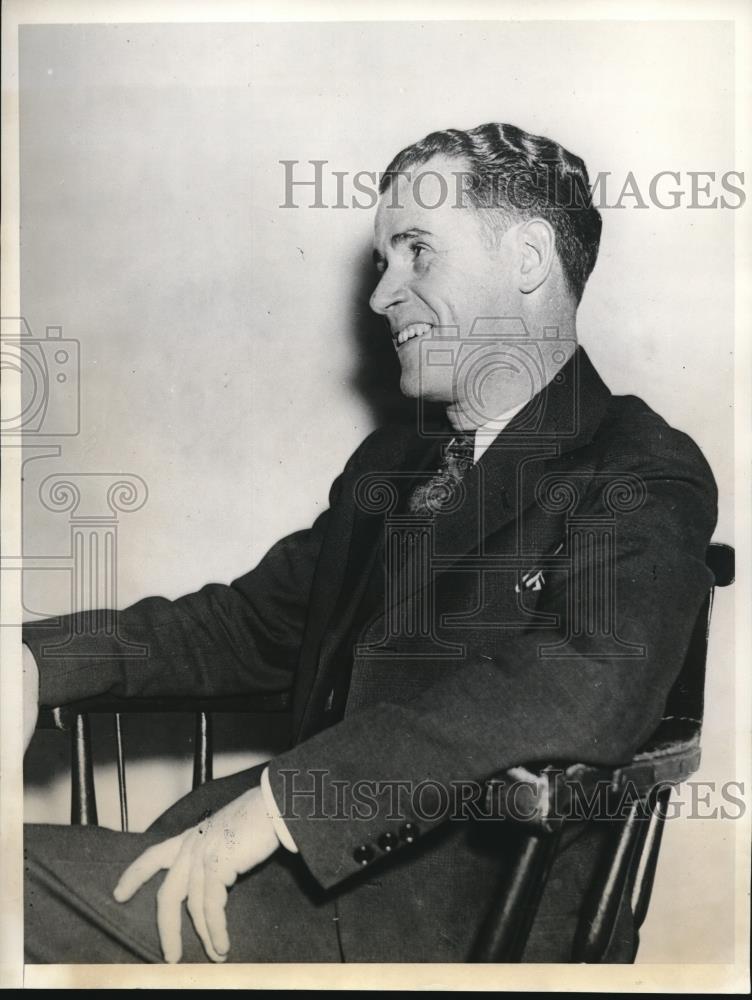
point(439, 493)
point(459, 453)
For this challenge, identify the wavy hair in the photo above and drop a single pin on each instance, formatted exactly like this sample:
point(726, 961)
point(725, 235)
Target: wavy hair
point(519, 176)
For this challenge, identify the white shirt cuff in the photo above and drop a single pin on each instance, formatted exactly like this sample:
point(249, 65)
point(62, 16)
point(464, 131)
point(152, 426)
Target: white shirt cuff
point(280, 828)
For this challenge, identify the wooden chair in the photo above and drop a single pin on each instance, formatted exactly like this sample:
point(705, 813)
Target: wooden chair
point(74, 719)
point(640, 792)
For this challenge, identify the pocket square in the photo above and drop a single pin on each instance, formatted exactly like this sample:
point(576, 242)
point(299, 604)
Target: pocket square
point(534, 579)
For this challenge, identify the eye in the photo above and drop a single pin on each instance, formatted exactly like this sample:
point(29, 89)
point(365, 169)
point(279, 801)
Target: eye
point(418, 248)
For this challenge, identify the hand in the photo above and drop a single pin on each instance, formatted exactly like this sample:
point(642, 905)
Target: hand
point(203, 862)
point(30, 694)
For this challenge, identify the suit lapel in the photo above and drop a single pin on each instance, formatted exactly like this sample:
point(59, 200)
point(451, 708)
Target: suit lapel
point(351, 552)
point(502, 485)
point(417, 456)
point(562, 417)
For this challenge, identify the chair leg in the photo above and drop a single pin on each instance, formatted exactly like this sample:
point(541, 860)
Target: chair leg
point(203, 750)
point(121, 773)
point(601, 907)
point(648, 862)
point(505, 931)
point(83, 796)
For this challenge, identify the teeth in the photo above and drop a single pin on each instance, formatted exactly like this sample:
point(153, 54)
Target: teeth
point(413, 330)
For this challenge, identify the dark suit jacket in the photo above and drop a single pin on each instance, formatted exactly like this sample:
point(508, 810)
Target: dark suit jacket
point(625, 502)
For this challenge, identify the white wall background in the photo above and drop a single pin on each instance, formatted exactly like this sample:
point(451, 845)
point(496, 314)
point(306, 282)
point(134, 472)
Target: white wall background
point(228, 356)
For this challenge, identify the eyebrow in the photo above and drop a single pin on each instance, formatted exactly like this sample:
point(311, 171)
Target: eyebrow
point(399, 238)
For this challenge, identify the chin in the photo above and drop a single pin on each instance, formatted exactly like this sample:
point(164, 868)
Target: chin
point(410, 387)
point(414, 387)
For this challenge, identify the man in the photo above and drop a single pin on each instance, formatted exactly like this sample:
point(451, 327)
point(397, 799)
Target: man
point(447, 618)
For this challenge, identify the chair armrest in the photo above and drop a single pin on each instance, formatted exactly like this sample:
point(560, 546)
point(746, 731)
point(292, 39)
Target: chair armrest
point(543, 798)
point(64, 716)
point(721, 559)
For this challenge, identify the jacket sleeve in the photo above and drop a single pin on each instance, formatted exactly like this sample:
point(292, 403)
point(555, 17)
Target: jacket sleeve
point(347, 793)
point(222, 640)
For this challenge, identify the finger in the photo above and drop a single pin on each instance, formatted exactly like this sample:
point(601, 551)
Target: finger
point(145, 867)
point(170, 898)
point(215, 903)
point(196, 888)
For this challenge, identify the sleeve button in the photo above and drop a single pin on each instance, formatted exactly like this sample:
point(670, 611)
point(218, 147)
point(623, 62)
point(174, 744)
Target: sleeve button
point(363, 854)
point(388, 841)
point(409, 832)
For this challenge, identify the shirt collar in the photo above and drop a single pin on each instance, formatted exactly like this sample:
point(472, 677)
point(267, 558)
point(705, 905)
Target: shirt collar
point(488, 432)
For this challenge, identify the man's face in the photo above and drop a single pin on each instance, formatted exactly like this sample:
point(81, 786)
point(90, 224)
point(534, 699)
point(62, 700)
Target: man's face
point(439, 269)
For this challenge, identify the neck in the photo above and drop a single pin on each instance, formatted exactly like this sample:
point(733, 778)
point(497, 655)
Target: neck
point(527, 370)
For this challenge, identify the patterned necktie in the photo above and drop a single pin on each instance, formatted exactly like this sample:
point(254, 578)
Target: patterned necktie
point(436, 495)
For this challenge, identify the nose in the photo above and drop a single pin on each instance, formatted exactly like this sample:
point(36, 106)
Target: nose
point(389, 292)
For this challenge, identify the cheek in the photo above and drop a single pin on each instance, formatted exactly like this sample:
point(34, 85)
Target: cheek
point(457, 295)
point(452, 287)
point(490, 298)
point(434, 289)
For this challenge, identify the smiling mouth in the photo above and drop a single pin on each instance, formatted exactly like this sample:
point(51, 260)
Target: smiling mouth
point(410, 332)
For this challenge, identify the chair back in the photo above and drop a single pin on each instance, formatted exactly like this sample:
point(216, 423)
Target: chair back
point(630, 863)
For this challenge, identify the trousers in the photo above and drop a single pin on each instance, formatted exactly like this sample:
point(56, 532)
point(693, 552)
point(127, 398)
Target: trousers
point(276, 913)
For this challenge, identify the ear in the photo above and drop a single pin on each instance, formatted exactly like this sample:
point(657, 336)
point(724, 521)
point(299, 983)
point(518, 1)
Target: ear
point(537, 247)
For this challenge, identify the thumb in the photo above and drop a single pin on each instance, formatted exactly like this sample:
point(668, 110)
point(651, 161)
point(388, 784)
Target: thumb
point(153, 859)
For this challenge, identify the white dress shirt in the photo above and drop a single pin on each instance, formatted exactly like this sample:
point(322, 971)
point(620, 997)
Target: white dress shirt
point(280, 827)
point(488, 432)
